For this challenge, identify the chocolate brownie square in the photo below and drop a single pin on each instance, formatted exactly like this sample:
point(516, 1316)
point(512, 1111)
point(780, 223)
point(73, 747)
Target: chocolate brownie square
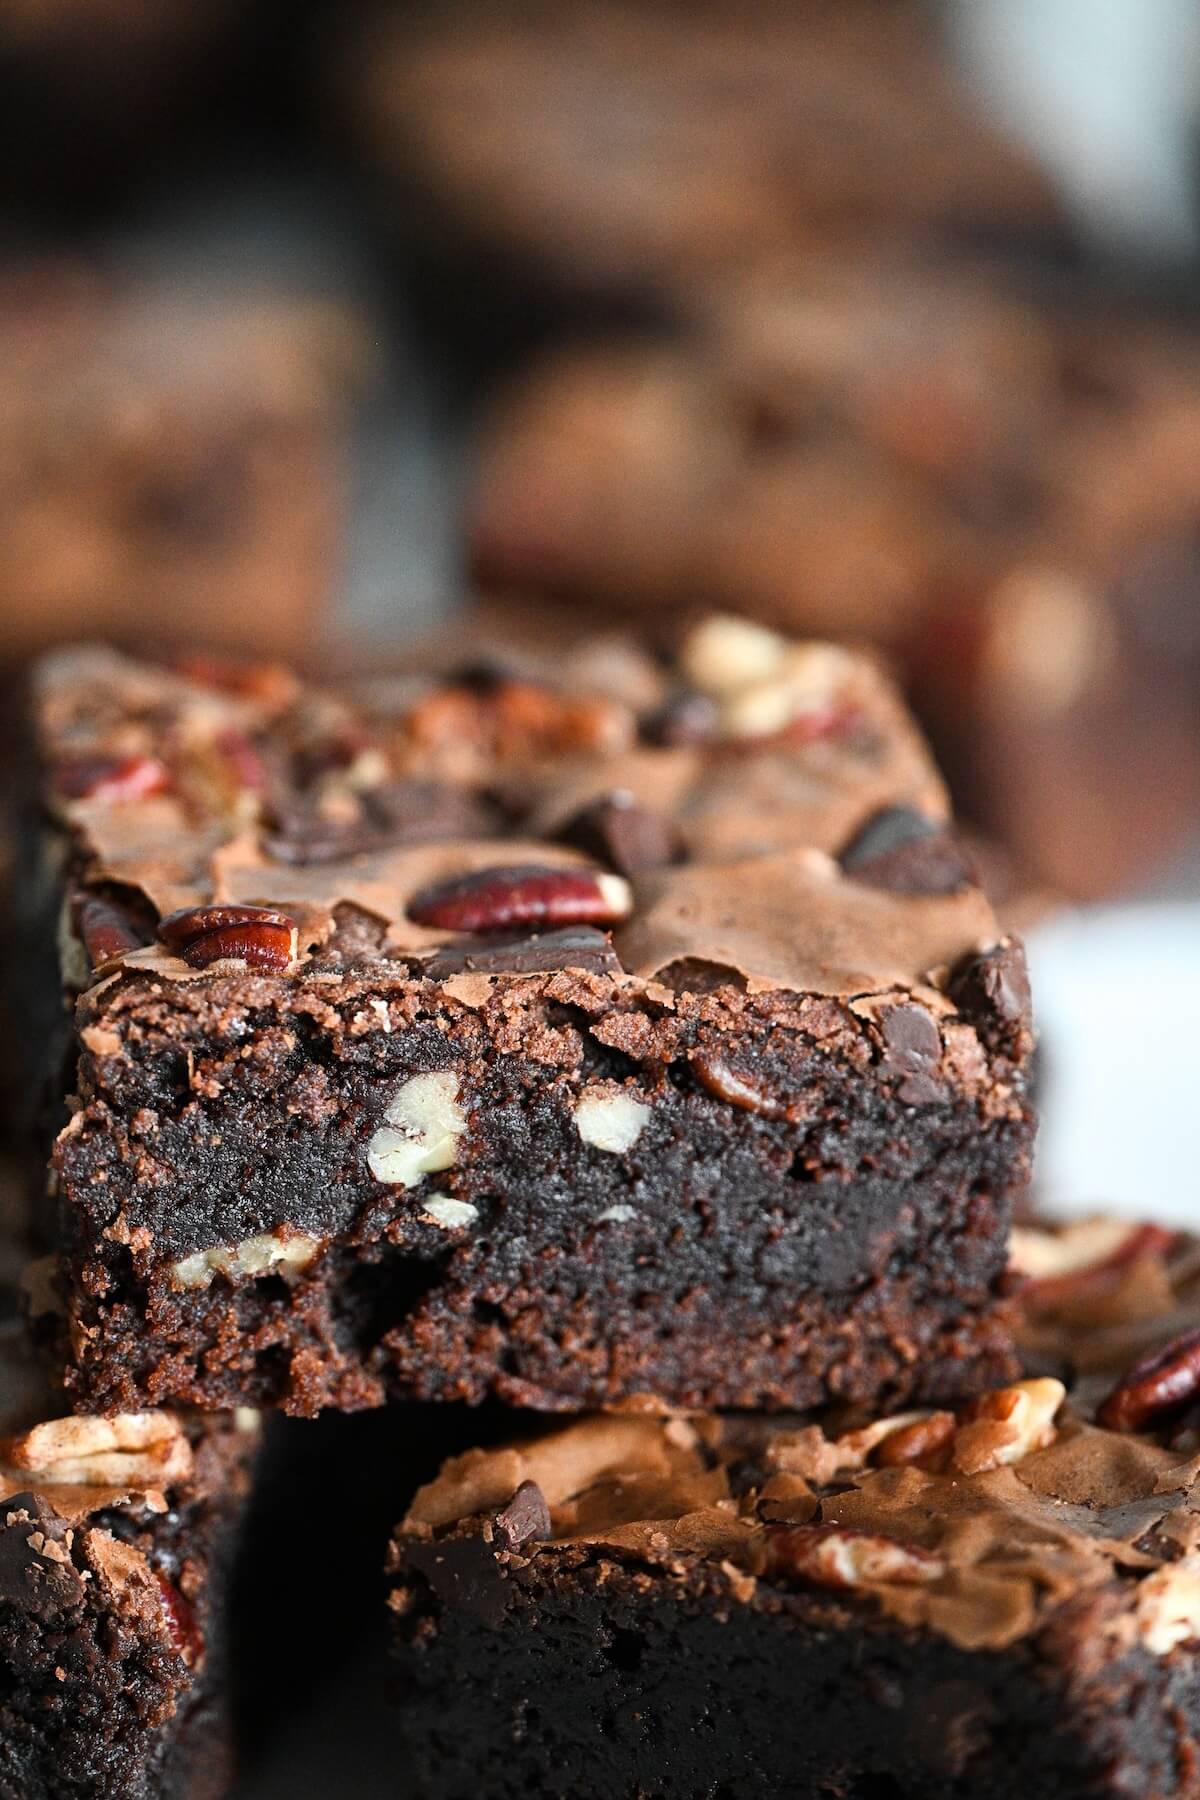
point(639, 1028)
point(1001, 1598)
point(116, 1538)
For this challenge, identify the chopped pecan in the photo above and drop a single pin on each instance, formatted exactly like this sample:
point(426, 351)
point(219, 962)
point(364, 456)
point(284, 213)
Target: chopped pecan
point(837, 1556)
point(1007, 1425)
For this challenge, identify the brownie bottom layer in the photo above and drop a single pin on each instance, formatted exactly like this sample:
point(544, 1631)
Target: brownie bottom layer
point(620, 1683)
point(359, 1331)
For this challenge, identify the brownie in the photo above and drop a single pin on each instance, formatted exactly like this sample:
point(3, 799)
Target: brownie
point(620, 152)
point(639, 1029)
point(1001, 489)
point(996, 1600)
point(171, 458)
point(116, 1536)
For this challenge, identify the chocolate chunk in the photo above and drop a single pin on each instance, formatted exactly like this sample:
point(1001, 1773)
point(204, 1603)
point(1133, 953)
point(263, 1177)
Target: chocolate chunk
point(913, 1051)
point(907, 853)
point(992, 987)
point(687, 718)
point(35, 1582)
point(617, 830)
point(463, 1574)
point(403, 812)
point(575, 947)
point(526, 1518)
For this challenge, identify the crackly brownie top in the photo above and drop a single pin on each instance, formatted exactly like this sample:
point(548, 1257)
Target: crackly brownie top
point(753, 812)
point(977, 1523)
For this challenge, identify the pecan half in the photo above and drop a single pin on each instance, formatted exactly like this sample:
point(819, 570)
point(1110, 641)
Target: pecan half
point(1158, 1385)
point(523, 894)
point(838, 1556)
point(258, 935)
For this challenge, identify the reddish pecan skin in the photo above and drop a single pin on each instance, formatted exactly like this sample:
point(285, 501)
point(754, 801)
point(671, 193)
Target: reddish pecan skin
point(259, 935)
point(191, 922)
point(1042, 1294)
point(922, 1444)
point(183, 1628)
point(263, 946)
point(112, 780)
point(523, 894)
point(105, 931)
point(1160, 1383)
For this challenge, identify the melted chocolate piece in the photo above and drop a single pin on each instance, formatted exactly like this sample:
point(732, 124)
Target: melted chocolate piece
point(631, 838)
point(575, 947)
point(907, 853)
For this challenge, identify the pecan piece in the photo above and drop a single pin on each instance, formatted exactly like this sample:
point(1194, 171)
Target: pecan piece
point(1006, 1425)
point(1081, 1262)
point(104, 930)
point(259, 935)
point(1159, 1384)
point(726, 1083)
point(523, 894)
point(838, 1556)
point(923, 1444)
point(111, 779)
point(183, 1628)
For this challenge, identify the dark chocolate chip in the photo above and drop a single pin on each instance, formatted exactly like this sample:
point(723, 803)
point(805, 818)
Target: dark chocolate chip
point(913, 1051)
point(526, 1518)
point(686, 718)
point(574, 947)
point(617, 830)
point(992, 986)
point(907, 853)
point(463, 1574)
point(33, 1582)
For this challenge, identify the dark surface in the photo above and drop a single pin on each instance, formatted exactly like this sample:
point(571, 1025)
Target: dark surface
point(583, 1676)
point(104, 1694)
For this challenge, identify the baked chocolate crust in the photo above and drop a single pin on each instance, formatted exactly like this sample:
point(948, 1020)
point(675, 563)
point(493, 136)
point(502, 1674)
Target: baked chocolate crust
point(996, 1600)
point(382, 1098)
point(115, 1540)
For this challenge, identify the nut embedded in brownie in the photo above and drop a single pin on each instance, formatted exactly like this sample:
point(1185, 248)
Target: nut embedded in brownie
point(384, 1087)
point(1001, 1598)
point(116, 1536)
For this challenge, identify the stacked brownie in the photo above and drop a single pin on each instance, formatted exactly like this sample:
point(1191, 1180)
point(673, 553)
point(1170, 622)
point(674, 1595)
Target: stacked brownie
point(116, 1539)
point(599, 1030)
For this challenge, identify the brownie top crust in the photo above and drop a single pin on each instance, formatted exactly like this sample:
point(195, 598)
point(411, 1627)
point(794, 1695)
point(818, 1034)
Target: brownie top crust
point(755, 814)
point(978, 1526)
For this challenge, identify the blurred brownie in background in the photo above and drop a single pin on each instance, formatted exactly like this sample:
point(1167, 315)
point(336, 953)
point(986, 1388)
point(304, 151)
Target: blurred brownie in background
point(171, 459)
point(619, 152)
point(1003, 492)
